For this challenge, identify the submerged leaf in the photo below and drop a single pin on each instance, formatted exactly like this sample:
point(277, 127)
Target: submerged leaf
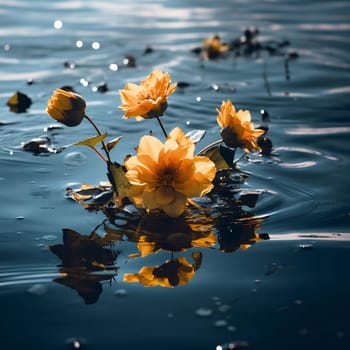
point(92, 141)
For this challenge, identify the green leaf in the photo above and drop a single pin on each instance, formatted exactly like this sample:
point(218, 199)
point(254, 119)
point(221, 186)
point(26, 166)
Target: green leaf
point(111, 144)
point(116, 175)
point(214, 154)
point(92, 141)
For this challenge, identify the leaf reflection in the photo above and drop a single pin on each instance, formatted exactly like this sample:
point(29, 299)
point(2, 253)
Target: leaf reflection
point(85, 263)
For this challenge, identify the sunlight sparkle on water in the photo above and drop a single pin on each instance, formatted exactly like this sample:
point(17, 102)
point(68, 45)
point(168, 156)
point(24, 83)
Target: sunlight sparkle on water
point(79, 43)
point(58, 24)
point(95, 45)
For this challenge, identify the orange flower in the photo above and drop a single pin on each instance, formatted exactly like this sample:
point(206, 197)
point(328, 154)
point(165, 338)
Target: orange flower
point(213, 48)
point(237, 129)
point(149, 99)
point(163, 176)
point(66, 107)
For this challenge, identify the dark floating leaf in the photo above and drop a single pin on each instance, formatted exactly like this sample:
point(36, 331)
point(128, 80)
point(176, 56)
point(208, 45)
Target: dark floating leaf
point(70, 65)
point(293, 55)
point(129, 61)
point(37, 145)
point(148, 50)
point(103, 87)
point(228, 154)
point(265, 144)
point(265, 116)
point(183, 84)
point(19, 102)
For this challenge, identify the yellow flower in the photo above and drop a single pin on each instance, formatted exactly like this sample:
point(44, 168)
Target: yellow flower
point(149, 99)
point(66, 107)
point(163, 176)
point(213, 47)
point(236, 127)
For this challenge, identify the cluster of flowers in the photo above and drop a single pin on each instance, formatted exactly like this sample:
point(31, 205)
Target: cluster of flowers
point(162, 176)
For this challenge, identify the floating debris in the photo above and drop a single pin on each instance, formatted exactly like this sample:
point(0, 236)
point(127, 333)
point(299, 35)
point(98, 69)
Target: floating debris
point(129, 61)
point(265, 144)
point(148, 50)
point(19, 102)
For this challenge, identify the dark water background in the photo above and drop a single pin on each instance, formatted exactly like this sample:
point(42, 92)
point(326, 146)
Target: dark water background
point(289, 292)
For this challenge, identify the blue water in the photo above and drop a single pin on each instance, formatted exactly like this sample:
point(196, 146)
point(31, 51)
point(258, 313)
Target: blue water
point(288, 292)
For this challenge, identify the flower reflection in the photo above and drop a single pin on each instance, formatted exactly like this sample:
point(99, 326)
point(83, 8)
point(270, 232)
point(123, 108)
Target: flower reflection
point(221, 222)
point(174, 272)
point(85, 263)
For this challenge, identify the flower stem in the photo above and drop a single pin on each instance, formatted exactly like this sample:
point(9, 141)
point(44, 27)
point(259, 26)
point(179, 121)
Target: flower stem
point(103, 144)
point(207, 148)
point(162, 127)
point(99, 154)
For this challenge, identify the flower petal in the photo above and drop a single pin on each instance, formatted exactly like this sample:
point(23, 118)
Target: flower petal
point(177, 206)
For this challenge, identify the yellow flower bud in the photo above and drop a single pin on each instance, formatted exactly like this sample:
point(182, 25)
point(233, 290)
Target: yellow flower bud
point(66, 107)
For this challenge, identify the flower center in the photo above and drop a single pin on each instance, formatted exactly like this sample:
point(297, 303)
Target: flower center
point(166, 176)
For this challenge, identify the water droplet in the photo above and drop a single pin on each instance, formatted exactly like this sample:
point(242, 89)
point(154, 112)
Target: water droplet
point(19, 217)
point(58, 24)
point(188, 123)
point(231, 328)
point(215, 87)
point(7, 47)
point(121, 292)
point(298, 302)
point(198, 99)
point(75, 159)
point(257, 281)
point(37, 289)
point(95, 45)
point(204, 312)
point(170, 315)
point(220, 323)
point(79, 44)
